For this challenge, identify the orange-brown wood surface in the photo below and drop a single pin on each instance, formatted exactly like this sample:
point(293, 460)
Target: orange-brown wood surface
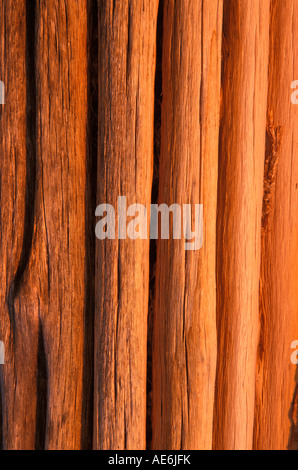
point(46, 289)
point(121, 343)
point(125, 167)
point(59, 226)
point(18, 385)
point(276, 394)
point(240, 194)
point(184, 336)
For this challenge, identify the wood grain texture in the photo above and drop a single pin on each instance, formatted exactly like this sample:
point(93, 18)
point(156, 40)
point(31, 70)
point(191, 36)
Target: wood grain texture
point(88, 117)
point(184, 338)
point(241, 170)
point(19, 333)
point(127, 32)
point(276, 392)
point(60, 215)
point(51, 295)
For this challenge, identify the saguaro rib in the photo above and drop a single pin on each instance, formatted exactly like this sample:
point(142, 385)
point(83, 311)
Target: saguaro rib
point(276, 393)
point(53, 288)
point(184, 338)
point(127, 33)
point(18, 332)
point(241, 169)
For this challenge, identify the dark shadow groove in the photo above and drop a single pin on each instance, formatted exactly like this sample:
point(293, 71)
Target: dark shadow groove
point(221, 189)
point(90, 202)
point(31, 159)
point(30, 162)
point(293, 417)
point(41, 391)
point(154, 200)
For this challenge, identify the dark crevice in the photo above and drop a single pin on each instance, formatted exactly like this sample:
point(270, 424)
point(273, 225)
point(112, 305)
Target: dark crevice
point(41, 394)
point(129, 46)
point(272, 147)
point(273, 143)
point(90, 201)
point(221, 189)
point(31, 159)
point(293, 417)
point(154, 200)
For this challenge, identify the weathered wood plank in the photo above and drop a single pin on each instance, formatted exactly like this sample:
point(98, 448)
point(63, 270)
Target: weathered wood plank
point(276, 396)
point(127, 31)
point(241, 170)
point(184, 338)
point(47, 203)
point(18, 332)
point(52, 291)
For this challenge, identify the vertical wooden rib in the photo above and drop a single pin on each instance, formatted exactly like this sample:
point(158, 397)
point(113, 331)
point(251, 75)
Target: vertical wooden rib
point(127, 33)
point(52, 290)
point(241, 169)
point(276, 397)
point(18, 332)
point(184, 342)
point(62, 114)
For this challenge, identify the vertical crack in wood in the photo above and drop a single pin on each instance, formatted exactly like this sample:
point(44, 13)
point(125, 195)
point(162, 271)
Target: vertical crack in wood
point(273, 143)
point(31, 162)
point(41, 393)
point(154, 200)
point(293, 416)
point(91, 172)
